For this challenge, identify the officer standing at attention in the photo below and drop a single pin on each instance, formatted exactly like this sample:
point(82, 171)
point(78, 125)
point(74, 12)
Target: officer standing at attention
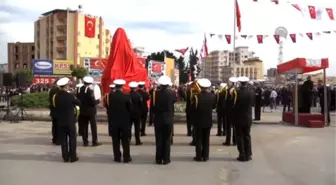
point(88, 112)
point(112, 87)
point(221, 122)
point(230, 98)
point(203, 104)
point(145, 98)
point(257, 102)
point(151, 105)
point(243, 120)
point(54, 126)
point(173, 108)
point(163, 101)
point(137, 107)
point(119, 113)
point(64, 106)
point(80, 127)
point(188, 109)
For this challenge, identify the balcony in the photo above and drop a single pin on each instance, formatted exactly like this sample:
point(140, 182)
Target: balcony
point(61, 16)
point(61, 27)
point(61, 38)
point(60, 48)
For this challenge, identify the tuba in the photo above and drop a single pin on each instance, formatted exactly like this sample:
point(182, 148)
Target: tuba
point(195, 87)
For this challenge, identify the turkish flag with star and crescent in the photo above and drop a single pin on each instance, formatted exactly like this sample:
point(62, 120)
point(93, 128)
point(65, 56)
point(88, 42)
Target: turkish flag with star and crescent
point(156, 67)
point(90, 27)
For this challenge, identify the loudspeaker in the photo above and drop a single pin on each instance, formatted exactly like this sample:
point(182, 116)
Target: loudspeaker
point(21, 79)
point(7, 79)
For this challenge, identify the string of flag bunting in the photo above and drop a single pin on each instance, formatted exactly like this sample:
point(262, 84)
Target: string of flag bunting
point(260, 38)
point(314, 12)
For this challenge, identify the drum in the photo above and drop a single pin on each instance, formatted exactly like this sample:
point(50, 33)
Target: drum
point(97, 92)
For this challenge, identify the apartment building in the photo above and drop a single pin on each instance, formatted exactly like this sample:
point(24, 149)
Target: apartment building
point(219, 65)
point(71, 35)
point(20, 55)
point(272, 72)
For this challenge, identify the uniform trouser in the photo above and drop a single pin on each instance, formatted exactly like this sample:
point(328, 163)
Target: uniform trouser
point(143, 122)
point(328, 113)
point(189, 124)
point(163, 134)
point(257, 110)
point(135, 122)
point(85, 120)
point(244, 140)
point(221, 122)
point(68, 141)
point(80, 126)
point(121, 133)
point(151, 115)
point(202, 142)
point(286, 105)
point(230, 129)
point(55, 130)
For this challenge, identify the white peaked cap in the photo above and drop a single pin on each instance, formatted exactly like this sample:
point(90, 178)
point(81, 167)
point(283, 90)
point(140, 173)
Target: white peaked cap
point(79, 85)
point(251, 82)
point(243, 79)
point(204, 82)
point(88, 79)
point(63, 81)
point(133, 84)
point(119, 82)
point(170, 84)
point(112, 86)
point(233, 79)
point(141, 83)
point(164, 80)
point(223, 85)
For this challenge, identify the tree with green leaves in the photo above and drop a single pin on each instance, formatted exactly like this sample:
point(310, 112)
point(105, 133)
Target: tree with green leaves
point(79, 72)
point(159, 56)
point(28, 73)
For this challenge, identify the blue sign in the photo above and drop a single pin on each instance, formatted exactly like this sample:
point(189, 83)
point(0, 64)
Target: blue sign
point(42, 67)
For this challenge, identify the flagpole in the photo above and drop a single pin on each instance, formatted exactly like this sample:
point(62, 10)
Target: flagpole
point(234, 36)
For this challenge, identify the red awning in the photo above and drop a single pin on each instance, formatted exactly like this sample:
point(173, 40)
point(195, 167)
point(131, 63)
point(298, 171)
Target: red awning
point(303, 65)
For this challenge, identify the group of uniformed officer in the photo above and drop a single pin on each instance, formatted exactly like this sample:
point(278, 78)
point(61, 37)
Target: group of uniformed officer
point(127, 110)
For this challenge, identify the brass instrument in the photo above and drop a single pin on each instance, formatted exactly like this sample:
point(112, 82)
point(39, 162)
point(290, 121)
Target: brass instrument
point(195, 87)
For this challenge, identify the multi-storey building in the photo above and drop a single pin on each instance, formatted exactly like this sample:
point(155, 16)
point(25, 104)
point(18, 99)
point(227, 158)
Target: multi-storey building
point(272, 72)
point(220, 65)
point(71, 35)
point(20, 55)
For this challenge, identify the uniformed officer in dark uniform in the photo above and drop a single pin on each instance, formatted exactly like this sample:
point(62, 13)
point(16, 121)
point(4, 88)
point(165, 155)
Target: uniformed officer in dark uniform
point(188, 109)
point(221, 121)
point(64, 104)
point(321, 96)
point(151, 115)
point(257, 102)
point(230, 98)
point(173, 108)
point(54, 126)
point(119, 116)
point(163, 101)
point(145, 98)
point(136, 112)
point(88, 112)
point(243, 120)
point(203, 104)
point(80, 127)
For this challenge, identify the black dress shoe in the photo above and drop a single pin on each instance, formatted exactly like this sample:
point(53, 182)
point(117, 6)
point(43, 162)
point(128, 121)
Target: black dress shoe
point(189, 134)
point(96, 144)
point(127, 160)
point(192, 143)
point(143, 134)
point(241, 159)
point(166, 162)
point(85, 144)
point(117, 160)
point(138, 143)
point(158, 162)
point(205, 159)
point(197, 159)
point(66, 160)
point(75, 159)
point(226, 143)
point(248, 158)
point(218, 134)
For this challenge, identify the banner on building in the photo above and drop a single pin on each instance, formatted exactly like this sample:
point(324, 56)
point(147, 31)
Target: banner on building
point(44, 80)
point(42, 67)
point(156, 69)
point(62, 67)
point(97, 64)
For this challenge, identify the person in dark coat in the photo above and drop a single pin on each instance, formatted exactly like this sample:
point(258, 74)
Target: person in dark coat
point(221, 122)
point(88, 111)
point(286, 95)
point(188, 110)
point(119, 115)
point(80, 127)
point(151, 115)
point(307, 95)
point(257, 102)
point(64, 104)
point(173, 108)
point(230, 96)
point(54, 125)
point(137, 107)
point(163, 103)
point(321, 96)
point(203, 104)
point(243, 120)
point(145, 97)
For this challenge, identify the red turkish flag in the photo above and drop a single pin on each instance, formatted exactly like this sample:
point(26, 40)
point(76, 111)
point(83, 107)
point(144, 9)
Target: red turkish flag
point(260, 39)
point(330, 13)
point(312, 12)
point(182, 51)
point(156, 67)
point(90, 27)
point(228, 39)
point(238, 16)
point(310, 36)
point(293, 37)
point(296, 6)
point(277, 38)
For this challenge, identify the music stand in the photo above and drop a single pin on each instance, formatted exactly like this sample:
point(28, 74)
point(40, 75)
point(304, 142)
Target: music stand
point(9, 114)
point(21, 114)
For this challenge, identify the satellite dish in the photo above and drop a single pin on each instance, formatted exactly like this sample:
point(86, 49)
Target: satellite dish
point(281, 31)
